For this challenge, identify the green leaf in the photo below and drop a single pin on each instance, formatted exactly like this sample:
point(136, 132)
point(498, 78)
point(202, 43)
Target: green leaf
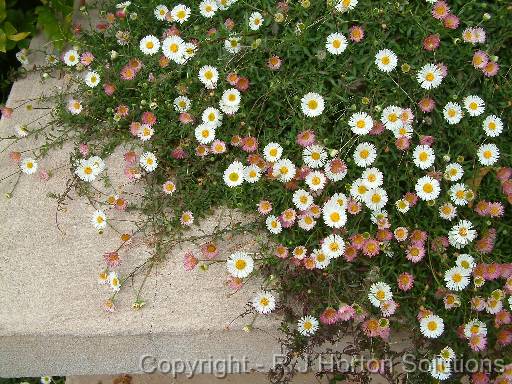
point(3, 39)
point(18, 36)
point(3, 12)
point(9, 28)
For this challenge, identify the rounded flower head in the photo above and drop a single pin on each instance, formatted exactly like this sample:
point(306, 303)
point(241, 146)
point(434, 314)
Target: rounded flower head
point(488, 154)
point(234, 174)
point(264, 302)
point(365, 154)
point(493, 126)
point(148, 161)
point(307, 325)
point(386, 60)
point(474, 105)
point(336, 43)
point(255, 21)
point(240, 264)
point(360, 123)
point(312, 104)
point(149, 45)
point(432, 326)
point(427, 188)
point(429, 76)
point(28, 166)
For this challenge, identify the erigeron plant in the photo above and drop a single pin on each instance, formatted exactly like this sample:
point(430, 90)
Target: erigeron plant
point(370, 138)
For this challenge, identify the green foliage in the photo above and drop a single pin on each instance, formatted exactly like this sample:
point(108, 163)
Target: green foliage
point(55, 19)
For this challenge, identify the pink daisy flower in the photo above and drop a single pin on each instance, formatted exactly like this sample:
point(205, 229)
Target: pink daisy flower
point(451, 22)
point(234, 283)
point(218, 147)
point(491, 69)
point(189, 261)
point(86, 58)
point(504, 337)
point(148, 118)
point(356, 33)
point(249, 144)
point(480, 59)
point(130, 157)
point(354, 207)
point(121, 204)
point(210, 250)
point(402, 143)
point(122, 110)
point(496, 209)
point(415, 253)
point(350, 253)
point(477, 343)
point(377, 129)
point(274, 63)
point(281, 251)
point(127, 73)
point(440, 10)
point(178, 153)
point(477, 304)
point(306, 138)
point(346, 312)
point(288, 217)
point(187, 218)
point(264, 207)
point(109, 89)
point(405, 281)
point(371, 248)
point(480, 378)
point(427, 104)
point(242, 84)
point(388, 308)
point(108, 306)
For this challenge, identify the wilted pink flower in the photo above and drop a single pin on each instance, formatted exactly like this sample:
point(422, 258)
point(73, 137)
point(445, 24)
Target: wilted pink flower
point(346, 312)
point(443, 69)
point(6, 112)
point(148, 118)
point(504, 173)
point(350, 253)
point(377, 128)
point(431, 42)
point(329, 316)
point(83, 149)
point(440, 244)
point(108, 306)
point(44, 175)
point(480, 378)
point(249, 144)
point(189, 261)
point(178, 153)
point(427, 140)
point(109, 88)
point(229, 24)
point(130, 157)
point(15, 156)
point(211, 32)
point(186, 118)
point(503, 317)
point(242, 84)
point(402, 143)
point(504, 337)
point(112, 259)
point(235, 283)
point(306, 138)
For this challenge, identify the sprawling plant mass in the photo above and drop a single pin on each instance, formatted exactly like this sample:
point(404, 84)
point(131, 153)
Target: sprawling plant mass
point(370, 140)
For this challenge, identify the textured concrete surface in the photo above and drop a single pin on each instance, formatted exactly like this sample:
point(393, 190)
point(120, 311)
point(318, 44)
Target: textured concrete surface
point(51, 321)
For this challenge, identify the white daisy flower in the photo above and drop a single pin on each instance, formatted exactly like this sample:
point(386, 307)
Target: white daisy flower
point(86, 170)
point(252, 173)
point(99, 220)
point(28, 166)
point(225, 4)
point(255, 21)
point(429, 76)
point(273, 224)
point(160, 12)
point(338, 199)
point(302, 199)
point(423, 156)
point(46, 379)
point(427, 188)
point(335, 170)
point(402, 205)
point(440, 369)
point(333, 246)
point(452, 113)
point(306, 222)
point(386, 60)
point(146, 131)
point(466, 262)
point(432, 326)
point(453, 172)
point(231, 97)
point(334, 216)
point(314, 156)
point(284, 170)
point(461, 234)
point(373, 177)
point(358, 189)
point(391, 117)
point(92, 79)
point(447, 211)
point(173, 47)
point(346, 5)
point(264, 302)
point(493, 305)
point(148, 161)
point(365, 154)
point(234, 174)
point(404, 130)
point(97, 163)
point(488, 154)
point(475, 328)
point(232, 44)
point(360, 123)
point(75, 106)
point(493, 126)
point(149, 45)
point(456, 278)
point(312, 104)
point(376, 199)
point(315, 180)
point(180, 13)
point(71, 58)
point(240, 264)
point(307, 325)
point(209, 76)
point(113, 280)
point(212, 116)
point(182, 104)
point(447, 354)
point(474, 105)
point(458, 193)
point(208, 8)
point(272, 152)
point(205, 133)
point(379, 292)
point(336, 43)
point(320, 258)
